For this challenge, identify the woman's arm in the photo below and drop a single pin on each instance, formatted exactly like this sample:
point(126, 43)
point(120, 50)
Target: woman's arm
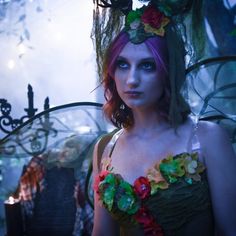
point(103, 223)
point(221, 170)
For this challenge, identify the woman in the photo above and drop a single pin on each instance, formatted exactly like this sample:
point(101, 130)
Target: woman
point(160, 173)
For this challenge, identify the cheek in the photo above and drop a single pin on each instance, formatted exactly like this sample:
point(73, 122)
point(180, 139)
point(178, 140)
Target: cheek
point(119, 80)
point(118, 75)
point(118, 87)
point(157, 87)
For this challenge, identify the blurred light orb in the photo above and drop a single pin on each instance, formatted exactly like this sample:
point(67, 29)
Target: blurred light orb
point(11, 64)
point(21, 49)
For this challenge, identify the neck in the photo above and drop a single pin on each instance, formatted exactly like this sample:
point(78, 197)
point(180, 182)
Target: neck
point(146, 123)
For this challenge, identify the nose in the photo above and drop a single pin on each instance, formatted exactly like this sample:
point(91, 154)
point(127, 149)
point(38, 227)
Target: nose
point(133, 79)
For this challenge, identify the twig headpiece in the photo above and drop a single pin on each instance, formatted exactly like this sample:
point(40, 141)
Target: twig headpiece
point(111, 16)
point(163, 18)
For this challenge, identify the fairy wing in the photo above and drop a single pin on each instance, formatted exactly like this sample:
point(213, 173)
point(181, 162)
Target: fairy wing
point(210, 90)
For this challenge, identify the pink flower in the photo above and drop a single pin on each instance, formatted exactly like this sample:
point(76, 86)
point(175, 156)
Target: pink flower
point(142, 187)
point(100, 177)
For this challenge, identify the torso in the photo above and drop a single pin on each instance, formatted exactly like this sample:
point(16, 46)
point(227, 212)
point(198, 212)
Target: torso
point(131, 157)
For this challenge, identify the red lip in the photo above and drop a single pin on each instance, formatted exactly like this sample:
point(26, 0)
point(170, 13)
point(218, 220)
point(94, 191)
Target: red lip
point(133, 92)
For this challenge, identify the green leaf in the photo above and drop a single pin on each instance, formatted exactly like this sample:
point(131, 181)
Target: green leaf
point(108, 197)
point(127, 187)
point(129, 204)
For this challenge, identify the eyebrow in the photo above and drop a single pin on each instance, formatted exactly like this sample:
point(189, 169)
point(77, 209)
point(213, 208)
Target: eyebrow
point(142, 60)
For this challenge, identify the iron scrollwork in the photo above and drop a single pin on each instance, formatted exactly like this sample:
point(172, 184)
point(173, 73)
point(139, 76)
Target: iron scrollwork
point(51, 126)
point(7, 122)
point(33, 137)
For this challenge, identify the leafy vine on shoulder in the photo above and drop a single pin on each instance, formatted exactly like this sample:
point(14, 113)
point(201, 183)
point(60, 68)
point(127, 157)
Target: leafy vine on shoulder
point(161, 172)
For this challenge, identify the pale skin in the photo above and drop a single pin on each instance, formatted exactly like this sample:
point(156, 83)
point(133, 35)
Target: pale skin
point(135, 72)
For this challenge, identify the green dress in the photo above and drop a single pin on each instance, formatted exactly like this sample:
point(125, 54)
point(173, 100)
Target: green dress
point(172, 199)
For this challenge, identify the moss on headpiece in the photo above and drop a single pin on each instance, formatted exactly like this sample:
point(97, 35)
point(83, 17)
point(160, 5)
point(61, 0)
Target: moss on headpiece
point(184, 33)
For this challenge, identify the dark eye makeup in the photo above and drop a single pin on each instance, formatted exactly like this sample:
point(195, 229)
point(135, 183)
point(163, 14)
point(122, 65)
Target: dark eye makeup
point(122, 63)
point(148, 65)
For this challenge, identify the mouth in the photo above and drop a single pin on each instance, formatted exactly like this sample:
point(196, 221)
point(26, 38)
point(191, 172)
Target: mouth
point(133, 94)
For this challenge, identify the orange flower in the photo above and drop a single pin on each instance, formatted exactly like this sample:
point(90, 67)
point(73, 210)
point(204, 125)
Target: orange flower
point(156, 179)
point(154, 174)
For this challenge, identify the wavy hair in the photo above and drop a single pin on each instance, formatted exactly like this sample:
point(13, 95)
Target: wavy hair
point(114, 108)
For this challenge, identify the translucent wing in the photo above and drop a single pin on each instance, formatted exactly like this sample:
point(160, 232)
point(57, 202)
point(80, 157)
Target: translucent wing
point(210, 90)
point(47, 157)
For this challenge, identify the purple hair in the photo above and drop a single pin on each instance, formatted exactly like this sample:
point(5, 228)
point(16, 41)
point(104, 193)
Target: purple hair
point(158, 47)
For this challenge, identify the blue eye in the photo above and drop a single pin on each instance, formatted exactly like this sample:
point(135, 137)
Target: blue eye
point(148, 65)
point(122, 64)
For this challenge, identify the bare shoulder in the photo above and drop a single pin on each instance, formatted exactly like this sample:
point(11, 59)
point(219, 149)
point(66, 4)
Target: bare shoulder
point(220, 162)
point(215, 141)
point(212, 133)
point(103, 222)
point(95, 158)
point(97, 154)
point(100, 148)
point(209, 128)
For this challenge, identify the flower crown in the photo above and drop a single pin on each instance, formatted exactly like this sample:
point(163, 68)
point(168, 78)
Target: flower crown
point(145, 22)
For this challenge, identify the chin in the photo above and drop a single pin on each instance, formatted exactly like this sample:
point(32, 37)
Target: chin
point(139, 105)
point(134, 104)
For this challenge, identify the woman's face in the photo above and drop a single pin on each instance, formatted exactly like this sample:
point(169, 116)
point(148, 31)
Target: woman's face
point(138, 78)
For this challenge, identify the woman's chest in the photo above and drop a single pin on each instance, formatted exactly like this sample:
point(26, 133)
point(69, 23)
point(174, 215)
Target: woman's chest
point(173, 183)
point(136, 159)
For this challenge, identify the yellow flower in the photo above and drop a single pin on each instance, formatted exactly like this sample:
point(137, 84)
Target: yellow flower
point(192, 166)
point(158, 31)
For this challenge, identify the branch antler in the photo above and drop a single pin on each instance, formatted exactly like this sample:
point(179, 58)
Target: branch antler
point(125, 6)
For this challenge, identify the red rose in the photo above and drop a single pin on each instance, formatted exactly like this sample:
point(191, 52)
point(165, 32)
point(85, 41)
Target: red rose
point(98, 179)
point(148, 223)
point(103, 174)
point(153, 229)
point(143, 217)
point(152, 17)
point(142, 187)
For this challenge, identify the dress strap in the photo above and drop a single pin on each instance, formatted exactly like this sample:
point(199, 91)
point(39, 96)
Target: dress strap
point(194, 144)
point(102, 144)
point(112, 143)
